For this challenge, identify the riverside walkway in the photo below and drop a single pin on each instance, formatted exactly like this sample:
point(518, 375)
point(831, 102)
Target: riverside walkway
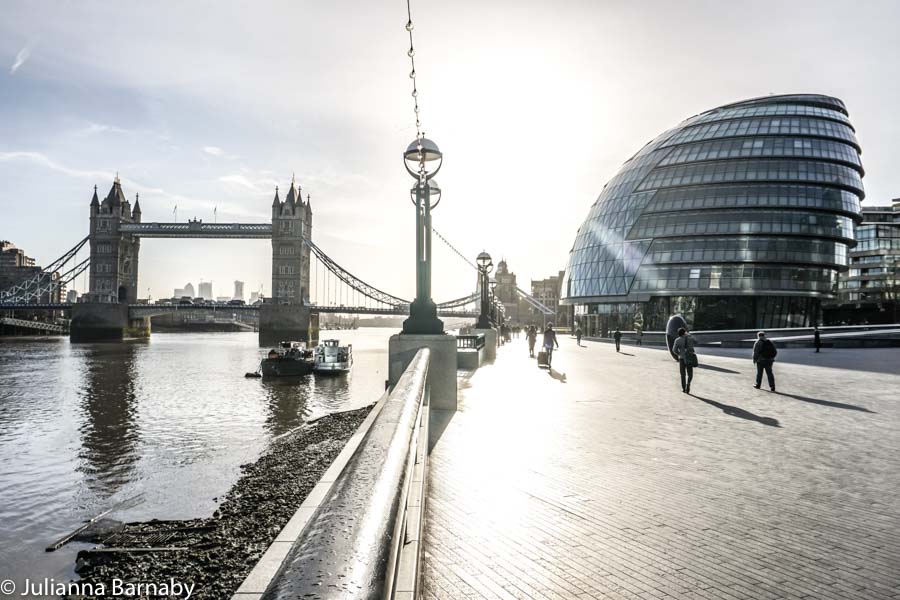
point(603, 480)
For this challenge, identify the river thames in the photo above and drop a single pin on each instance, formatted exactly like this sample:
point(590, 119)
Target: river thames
point(170, 420)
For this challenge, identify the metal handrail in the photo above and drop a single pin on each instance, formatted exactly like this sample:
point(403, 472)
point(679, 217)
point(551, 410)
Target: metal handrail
point(470, 342)
point(350, 545)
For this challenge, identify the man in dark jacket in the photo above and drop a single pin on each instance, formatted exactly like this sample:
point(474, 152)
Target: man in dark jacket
point(764, 353)
point(817, 338)
point(618, 337)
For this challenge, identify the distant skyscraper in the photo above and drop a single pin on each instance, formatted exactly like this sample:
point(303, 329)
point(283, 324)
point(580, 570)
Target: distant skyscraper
point(238, 290)
point(206, 290)
point(72, 296)
point(254, 296)
point(189, 290)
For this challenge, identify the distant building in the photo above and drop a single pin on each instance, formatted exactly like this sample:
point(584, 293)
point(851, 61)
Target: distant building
point(222, 299)
point(189, 290)
point(179, 292)
point(254, 297)
point(547, 292)
point(12, 257)
point(72, 296)
point(868, 292)
point(238, 290)
point(206, 290)
point(507, 292)
point(16, 268)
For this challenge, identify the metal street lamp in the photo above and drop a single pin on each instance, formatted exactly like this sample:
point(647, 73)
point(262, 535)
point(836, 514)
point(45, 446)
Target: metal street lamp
point(485, 265)
point(423, 160)
point(496, 312)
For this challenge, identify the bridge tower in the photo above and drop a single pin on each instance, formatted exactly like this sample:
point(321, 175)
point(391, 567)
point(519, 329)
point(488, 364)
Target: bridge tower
point(114, 255)
point(287, 315)
point(291, 222)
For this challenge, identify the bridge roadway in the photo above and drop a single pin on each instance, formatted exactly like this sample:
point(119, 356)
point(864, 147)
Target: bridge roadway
point(602, 479)
point(152, 310)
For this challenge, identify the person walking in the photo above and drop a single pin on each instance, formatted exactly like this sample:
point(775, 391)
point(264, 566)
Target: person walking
point(639, 337)
point(764, 353)
point(578, 336)
point(531, 334)
point(683, 347)
point(618, 337)
point(548, 342)
point(817, 338)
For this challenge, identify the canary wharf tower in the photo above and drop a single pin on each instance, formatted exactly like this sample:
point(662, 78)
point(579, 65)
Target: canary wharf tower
point(739, 217)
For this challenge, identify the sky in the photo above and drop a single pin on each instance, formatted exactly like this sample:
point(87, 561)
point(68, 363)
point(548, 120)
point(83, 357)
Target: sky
point(535, 105)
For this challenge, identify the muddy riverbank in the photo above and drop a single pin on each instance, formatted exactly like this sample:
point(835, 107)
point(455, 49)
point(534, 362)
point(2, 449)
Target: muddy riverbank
point(216, 554)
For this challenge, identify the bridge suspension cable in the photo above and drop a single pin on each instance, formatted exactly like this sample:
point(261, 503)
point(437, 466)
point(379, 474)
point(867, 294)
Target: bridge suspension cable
point(352, 281)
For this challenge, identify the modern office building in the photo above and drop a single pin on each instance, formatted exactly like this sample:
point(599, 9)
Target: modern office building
point(238, 290)
point(869, 291)
point(739, 217)
point(205, 290)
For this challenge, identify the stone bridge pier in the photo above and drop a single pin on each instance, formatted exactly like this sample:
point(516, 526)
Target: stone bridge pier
point(105, 322)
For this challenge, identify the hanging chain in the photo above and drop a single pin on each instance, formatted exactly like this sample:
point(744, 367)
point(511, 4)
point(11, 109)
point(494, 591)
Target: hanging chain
point(458, 253)
point(411, 53)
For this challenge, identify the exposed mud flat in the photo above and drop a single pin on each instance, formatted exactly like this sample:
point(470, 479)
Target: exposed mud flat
point(216, 554)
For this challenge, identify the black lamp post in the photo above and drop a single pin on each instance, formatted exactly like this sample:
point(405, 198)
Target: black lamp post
point(423, 311)
point(485, 265)
point(496, 308)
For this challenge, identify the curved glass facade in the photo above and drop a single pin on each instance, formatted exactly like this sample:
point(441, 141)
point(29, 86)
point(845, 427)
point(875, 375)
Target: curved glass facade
point(741, 216)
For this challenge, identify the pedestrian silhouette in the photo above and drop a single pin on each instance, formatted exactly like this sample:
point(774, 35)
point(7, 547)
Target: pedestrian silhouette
point(683, 348)
point(764, 353)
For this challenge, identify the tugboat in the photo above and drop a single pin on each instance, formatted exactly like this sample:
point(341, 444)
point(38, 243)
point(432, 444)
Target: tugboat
point(290, 360)
point(331, 357)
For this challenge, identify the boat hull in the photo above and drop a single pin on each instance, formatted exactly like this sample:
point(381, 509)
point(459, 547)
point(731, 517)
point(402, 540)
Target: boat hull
point(332, 367)
point(285, 367)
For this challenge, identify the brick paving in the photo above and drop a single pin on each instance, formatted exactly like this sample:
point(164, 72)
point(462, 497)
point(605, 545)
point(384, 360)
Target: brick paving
point(603, 480)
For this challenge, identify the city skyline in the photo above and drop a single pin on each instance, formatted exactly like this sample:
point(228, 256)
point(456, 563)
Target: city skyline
point(325, 94)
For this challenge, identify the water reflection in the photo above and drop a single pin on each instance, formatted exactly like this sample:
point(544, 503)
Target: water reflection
point(333, 391)
point(288, 403)
point(109, 429)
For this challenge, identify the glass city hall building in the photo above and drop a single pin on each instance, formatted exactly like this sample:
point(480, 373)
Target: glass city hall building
point(738, 218)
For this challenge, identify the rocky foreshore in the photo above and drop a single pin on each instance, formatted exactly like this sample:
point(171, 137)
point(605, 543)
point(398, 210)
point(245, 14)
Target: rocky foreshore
point(214, 555)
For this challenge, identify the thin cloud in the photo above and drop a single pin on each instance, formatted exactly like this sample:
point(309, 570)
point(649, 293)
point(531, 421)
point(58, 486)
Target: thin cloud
point(98, 128)
point(147, 192)
point(21, 58)
point(214, 150)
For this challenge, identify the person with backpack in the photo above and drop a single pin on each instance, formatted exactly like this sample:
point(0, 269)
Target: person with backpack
point(764, 353)
point(683, 348)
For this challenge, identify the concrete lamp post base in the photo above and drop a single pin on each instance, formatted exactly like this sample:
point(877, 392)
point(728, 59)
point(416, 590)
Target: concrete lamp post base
point(490, 343)
point(441, 369)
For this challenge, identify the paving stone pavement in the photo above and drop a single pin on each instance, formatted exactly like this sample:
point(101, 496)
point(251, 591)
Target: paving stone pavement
point(602, 480)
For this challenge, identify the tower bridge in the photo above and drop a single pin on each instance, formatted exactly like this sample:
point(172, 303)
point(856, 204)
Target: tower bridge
point(111, 309)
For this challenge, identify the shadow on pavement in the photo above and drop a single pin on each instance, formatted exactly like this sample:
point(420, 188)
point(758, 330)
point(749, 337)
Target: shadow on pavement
point(740, 413)
point(437, 423)
point(826, 402)
point(561, 377)
point(719, 369)
point(626, 354)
